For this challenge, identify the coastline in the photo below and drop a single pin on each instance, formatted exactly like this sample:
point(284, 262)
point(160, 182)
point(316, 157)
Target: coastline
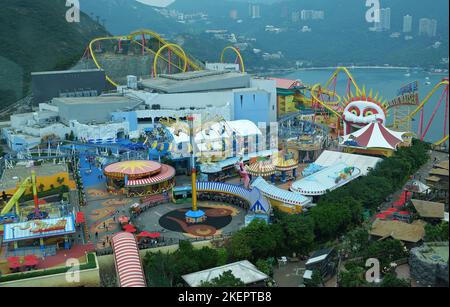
point(292, 70)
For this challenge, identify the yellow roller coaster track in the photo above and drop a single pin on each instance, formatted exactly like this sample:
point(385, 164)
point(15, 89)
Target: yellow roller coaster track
point(328, 106)
point(422, 104)
point(170, 47)
point(131, 37)
point(324, 90)
point(347, 72)
point(238, 53)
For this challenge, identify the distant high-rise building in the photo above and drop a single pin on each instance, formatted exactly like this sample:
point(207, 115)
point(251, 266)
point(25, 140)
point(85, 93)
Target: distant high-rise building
point(384, 24)
point(295, 17)
point(427, 27)
point(312, 14)
point(407, 23)
point(254, 11)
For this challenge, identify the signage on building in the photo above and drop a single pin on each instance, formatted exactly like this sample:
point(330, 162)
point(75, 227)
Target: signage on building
point(406, 95)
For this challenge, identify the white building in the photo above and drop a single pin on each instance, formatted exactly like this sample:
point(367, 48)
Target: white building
point(427, 27)
point(407, 23)
point(384, 23)
point(312, 15)
point(223, 67)
point(254, 11)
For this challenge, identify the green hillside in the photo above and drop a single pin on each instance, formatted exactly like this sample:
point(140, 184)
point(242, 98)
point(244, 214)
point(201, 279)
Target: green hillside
point(36, 37)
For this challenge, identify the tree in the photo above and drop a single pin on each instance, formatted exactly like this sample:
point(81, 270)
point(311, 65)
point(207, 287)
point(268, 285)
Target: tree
point(331, 219)
point(352, 278)
point(315, 281)
point(436, 233)
point(159, 269)
point(299, 233)
point(265, 266)
point(238, 248)
point(386, 251)
point(207, 258)
point(261, 239)
point(391, 281)
point(356, 241)
point(226, 279)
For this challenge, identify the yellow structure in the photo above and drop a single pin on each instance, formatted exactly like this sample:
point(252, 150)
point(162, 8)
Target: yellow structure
point(132, 38)
point(238, 54)
point(49, 175)
point(25, 185)
point(287, 208)
point(290, 96)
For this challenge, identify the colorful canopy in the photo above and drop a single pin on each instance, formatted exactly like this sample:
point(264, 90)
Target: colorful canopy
point(30, 257)
point(13, 259)
point(127, 260)
point(167, 172)
point(14, 265)
point(133, 169)
point(261, 168)
point(152, 235)
point(374, 135)
point(80, 217)
point(281, 195)
point(286, 165)
point(31, 262)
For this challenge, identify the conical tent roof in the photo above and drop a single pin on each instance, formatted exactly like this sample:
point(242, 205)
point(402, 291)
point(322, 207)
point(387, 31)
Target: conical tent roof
point(375, 135)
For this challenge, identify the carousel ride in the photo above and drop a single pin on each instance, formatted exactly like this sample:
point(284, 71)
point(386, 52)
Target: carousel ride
point(136, 178)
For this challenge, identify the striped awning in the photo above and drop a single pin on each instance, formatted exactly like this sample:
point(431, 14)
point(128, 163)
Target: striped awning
point(257, 201)
point(128, 264)
point(286, 165)
point(167, 172)
point(261, 168)
point(284, 196)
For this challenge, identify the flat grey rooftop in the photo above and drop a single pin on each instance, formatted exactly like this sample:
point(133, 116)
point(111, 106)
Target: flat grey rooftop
point(92, 100)
point(196, 81)
point(37, 73)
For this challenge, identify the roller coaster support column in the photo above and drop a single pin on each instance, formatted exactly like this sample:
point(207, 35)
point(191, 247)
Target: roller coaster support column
point(434, 113)
point(195, 215)
point(194, 189)
point(446, 111)
point(419, 132)
point(35, 196)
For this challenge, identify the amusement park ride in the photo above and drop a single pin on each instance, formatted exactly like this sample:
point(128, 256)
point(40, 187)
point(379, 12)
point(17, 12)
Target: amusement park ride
point(342, 113)
point(7, 217)
point(356, 110)
point(165, 57)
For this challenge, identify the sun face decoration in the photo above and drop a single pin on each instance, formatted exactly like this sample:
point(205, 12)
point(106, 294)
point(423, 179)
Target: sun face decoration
point(361, 110)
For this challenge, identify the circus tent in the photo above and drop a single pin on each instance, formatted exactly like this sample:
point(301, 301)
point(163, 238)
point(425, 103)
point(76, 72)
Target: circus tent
point(374, 135)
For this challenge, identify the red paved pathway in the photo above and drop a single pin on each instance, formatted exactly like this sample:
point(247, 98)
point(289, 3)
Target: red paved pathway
point(60, 258)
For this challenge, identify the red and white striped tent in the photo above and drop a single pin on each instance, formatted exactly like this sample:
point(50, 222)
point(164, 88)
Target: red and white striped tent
point(128, 264)
point(374, 135)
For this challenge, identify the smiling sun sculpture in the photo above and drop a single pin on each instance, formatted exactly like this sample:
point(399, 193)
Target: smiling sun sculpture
point(363, 109)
